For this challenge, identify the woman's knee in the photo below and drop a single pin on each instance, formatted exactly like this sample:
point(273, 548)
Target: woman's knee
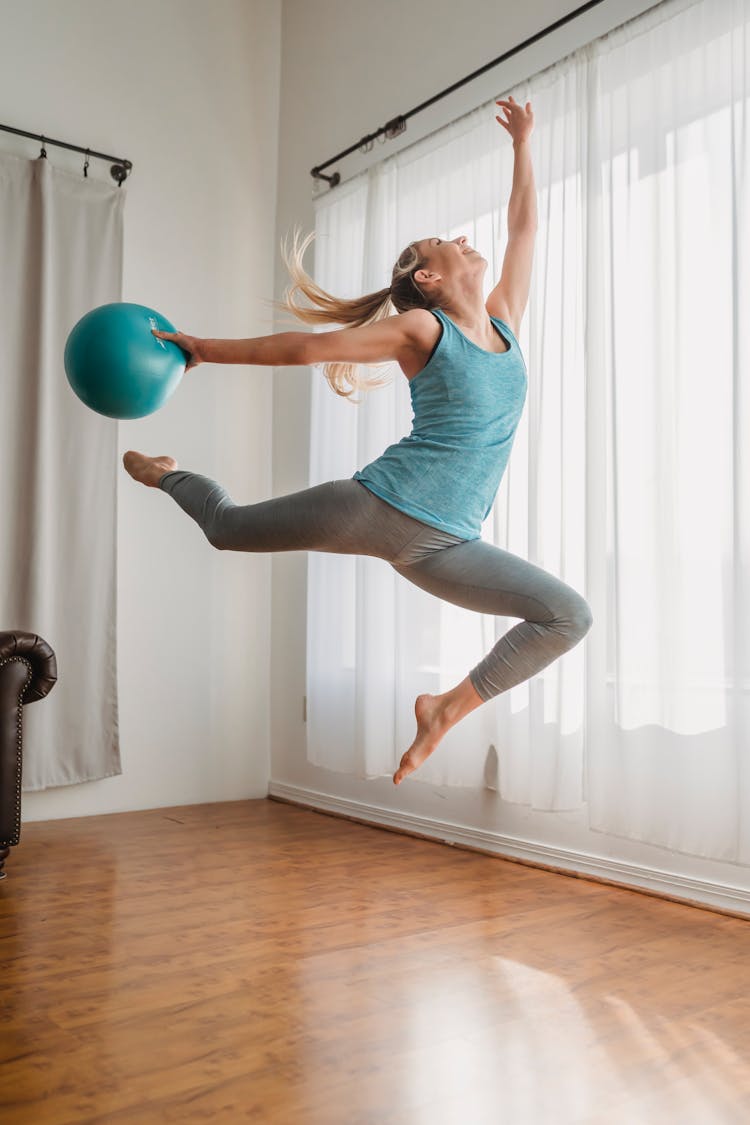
point(575, 618)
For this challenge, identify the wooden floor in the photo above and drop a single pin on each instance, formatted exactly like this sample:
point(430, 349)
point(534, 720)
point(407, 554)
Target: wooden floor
point(259, 962)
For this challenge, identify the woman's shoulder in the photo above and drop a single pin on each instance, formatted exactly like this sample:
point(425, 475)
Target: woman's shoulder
point(423, 325)
point(423, 329)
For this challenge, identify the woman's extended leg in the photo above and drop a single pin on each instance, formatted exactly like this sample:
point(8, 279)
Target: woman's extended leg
point(481, 577)
point(340, 516)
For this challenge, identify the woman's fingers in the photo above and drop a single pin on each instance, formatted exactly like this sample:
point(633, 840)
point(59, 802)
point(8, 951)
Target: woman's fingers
point(190, 346)
point(182, 342)
point(511, 103)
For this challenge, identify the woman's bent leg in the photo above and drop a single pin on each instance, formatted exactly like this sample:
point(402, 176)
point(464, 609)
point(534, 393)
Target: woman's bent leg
point(479, 576)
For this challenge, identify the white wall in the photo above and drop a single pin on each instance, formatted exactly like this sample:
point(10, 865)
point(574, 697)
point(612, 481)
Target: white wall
point(189, 91)
point(347, 68)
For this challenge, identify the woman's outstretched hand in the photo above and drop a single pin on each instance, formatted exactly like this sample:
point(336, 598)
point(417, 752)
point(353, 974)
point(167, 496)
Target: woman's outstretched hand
point(191, 345)
point(520, 121)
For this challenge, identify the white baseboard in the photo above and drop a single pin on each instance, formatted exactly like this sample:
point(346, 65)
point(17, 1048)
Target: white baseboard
point(700, 893)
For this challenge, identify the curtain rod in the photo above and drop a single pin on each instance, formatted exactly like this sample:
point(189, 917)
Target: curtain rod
point(119, 170)
point(397, 125)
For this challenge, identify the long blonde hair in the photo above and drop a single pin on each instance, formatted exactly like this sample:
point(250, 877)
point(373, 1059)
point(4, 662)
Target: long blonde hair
point(403, 293)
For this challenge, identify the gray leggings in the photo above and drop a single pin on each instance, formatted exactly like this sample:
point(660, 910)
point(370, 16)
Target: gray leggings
point(345, 518)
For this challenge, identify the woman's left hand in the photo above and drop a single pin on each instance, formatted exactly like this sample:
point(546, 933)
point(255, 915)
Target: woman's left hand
point(520, 121)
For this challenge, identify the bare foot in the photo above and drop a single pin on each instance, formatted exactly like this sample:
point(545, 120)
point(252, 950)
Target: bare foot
point(431, 726)
point(148, 470)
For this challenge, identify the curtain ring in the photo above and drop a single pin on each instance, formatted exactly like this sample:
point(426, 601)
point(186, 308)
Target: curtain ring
point(86, 165)
point(43, 153)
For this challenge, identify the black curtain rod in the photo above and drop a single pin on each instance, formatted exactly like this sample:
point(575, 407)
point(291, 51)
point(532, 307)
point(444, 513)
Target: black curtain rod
point(119, 170)
point(398, 124)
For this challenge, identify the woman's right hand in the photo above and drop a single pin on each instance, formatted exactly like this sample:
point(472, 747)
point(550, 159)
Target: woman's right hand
point(191, 345)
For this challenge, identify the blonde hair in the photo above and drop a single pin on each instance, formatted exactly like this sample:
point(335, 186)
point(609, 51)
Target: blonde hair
point(403, 293)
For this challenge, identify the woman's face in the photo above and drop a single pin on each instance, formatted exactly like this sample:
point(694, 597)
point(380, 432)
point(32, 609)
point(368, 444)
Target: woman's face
point(451, 260)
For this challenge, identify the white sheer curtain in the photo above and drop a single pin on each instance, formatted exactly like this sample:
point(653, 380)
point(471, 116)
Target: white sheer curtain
point(62, 252)
point(629, 477)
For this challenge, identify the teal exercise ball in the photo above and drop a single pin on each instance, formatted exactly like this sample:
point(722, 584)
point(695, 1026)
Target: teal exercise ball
point(116, 365)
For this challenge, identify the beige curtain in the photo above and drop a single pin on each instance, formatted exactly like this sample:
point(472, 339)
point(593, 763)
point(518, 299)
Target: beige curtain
point(62, 251)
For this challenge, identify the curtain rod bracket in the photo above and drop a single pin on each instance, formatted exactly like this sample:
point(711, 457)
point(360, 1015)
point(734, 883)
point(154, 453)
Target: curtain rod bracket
point(333, 181)
point(119, 172)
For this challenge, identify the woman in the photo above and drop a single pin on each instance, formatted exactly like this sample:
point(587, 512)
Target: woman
point(421, 504)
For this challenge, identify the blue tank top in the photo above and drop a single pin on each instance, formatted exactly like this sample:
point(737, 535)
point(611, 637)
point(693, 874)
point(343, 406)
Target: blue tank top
point(467, 403)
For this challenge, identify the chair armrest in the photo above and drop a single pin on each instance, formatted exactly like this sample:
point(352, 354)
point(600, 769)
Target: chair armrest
point(40, 656)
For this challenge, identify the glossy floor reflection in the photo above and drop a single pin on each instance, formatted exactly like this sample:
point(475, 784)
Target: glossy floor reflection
point(258, 961)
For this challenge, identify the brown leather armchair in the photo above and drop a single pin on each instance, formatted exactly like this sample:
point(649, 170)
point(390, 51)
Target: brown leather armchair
point(28, 671)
